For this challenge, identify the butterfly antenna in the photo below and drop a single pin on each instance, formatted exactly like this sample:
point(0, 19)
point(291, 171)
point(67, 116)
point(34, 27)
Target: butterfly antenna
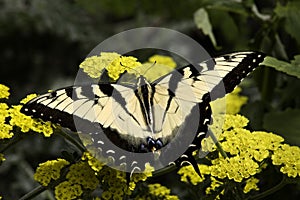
point(147, 70)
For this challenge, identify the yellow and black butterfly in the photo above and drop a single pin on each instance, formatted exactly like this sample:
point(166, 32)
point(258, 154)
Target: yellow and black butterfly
point(146, 117)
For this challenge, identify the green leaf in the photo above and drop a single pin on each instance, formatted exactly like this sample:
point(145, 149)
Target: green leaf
point(202, 22)
point(291, 14)
point(292, 68)
point(227, 5)
point(285, 123)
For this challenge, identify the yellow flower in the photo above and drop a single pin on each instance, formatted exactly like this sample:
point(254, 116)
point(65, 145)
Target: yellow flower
point(26, 123)
point(81, 173)
point(113, 182)
point(113, 62)
point(288, 157)
point(3, 112)
point(164, 60)
point(5, 131)
point(67, 191)
point(230, 104)
point(215, 184)
point(235, 121)
point(189, 175)
point(156, 67)
point(136, 177)
point(120, 65)
point(4, 92)
point(157, 191)
point(251, 184)
point(28, 98)
point(94, 65)
point(93, 162)
point(49, 170)
point(269, 141)
point(234, 101)
point(236, 168)
point(117, 64)
point(2, 158)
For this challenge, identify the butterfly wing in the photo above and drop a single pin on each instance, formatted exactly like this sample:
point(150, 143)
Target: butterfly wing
point(208, 81)
point(224, 72)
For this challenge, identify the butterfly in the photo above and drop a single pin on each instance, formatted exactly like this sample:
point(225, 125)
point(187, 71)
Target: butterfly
point(169, 116)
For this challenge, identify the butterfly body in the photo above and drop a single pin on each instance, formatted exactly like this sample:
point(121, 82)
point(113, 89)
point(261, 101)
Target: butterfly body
point(147, 117)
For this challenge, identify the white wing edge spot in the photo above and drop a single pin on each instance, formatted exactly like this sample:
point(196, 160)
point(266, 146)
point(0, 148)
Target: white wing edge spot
point(134, 163)
point(110, 151)
point(122, 157)
point(100, 142)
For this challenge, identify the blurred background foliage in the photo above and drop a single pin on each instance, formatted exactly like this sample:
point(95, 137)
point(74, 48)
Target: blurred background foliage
point(42, 44)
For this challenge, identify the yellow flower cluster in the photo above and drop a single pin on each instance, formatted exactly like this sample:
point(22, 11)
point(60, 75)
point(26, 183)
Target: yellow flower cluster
point(189, 175)
point(251, 184)
point(120, 65)
point(5, 129)
point(81, 173)
point(257, 145)
point(67, 191)
point(157, 191)
point(215, 184)
point(236, 168)
point(115, 184)
point(161, 191)
point(26, 123)
point(288, 157)
point(49, 170)
point(164, 60)
point(246, 152)
point(94, 65)
point(4, 92)
point(80, 177)
point(18, 119)
point(234, 101)
point(113, 62)
point(116, 64)
point(224, 116)
point(93, 162)
point(230, 104)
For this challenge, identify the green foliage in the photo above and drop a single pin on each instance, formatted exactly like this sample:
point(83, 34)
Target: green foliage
point(290, 15)
point(202, 21)
point(285, 122)
point(292, 68)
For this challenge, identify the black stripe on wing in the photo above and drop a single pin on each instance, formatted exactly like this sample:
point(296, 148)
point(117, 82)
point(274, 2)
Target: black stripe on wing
point(247, 65)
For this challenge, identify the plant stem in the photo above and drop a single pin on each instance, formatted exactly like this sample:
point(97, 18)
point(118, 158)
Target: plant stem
point(270, 191)
point(219, 147)
point(72, 140)
point(11, 143)
point(33, 193)
point(163, 170)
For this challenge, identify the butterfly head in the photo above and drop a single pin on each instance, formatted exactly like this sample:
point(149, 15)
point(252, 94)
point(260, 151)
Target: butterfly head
point(152, 145)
